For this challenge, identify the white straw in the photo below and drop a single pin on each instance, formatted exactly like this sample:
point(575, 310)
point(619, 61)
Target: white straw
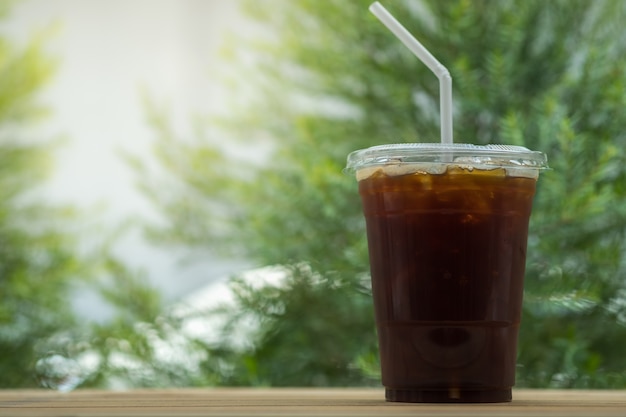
point(445, 81)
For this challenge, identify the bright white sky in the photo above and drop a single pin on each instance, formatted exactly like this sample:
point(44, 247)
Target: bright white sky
point(109, 50)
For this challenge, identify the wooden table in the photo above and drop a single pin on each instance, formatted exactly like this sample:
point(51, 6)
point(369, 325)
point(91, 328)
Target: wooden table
point(296, 402)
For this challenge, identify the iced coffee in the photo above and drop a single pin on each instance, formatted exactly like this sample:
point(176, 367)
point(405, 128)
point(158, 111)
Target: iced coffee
point(447, 229)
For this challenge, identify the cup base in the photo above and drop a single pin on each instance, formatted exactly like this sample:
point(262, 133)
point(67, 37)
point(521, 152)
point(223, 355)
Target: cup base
point(452, 395)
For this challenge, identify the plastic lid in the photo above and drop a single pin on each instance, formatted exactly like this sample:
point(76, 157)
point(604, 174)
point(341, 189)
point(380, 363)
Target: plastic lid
point(465, 154)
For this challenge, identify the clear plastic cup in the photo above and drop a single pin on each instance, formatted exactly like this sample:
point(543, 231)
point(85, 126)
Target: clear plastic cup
point(447, 226)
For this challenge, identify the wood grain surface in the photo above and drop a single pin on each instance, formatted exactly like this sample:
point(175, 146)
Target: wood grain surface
point(296, 402)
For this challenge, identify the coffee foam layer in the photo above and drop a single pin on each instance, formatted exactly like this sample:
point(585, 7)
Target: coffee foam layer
point(394, 170)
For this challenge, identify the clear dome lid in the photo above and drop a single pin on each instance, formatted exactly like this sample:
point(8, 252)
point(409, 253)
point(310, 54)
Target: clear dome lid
point(476, 156)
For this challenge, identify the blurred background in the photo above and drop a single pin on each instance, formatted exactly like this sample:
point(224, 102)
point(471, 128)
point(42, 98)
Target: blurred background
point(109, 56)
point(173, 210)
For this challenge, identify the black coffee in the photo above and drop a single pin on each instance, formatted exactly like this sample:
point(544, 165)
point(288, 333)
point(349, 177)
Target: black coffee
point(447, 255)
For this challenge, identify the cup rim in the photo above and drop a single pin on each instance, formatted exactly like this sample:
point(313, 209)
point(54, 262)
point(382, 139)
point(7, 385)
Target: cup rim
point(478, 156)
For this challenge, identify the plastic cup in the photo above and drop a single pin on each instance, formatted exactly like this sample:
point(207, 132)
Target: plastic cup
point(447, 227)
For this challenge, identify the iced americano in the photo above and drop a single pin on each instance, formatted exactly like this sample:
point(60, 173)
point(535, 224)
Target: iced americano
point(447, 228)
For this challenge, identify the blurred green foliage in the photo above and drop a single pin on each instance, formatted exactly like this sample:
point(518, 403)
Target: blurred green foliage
point(327, 78)
point(330, 79)
point(37, 263)
point(48, 252)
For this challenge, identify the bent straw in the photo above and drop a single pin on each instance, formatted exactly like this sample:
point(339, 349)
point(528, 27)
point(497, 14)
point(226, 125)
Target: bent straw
point(442, 73)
